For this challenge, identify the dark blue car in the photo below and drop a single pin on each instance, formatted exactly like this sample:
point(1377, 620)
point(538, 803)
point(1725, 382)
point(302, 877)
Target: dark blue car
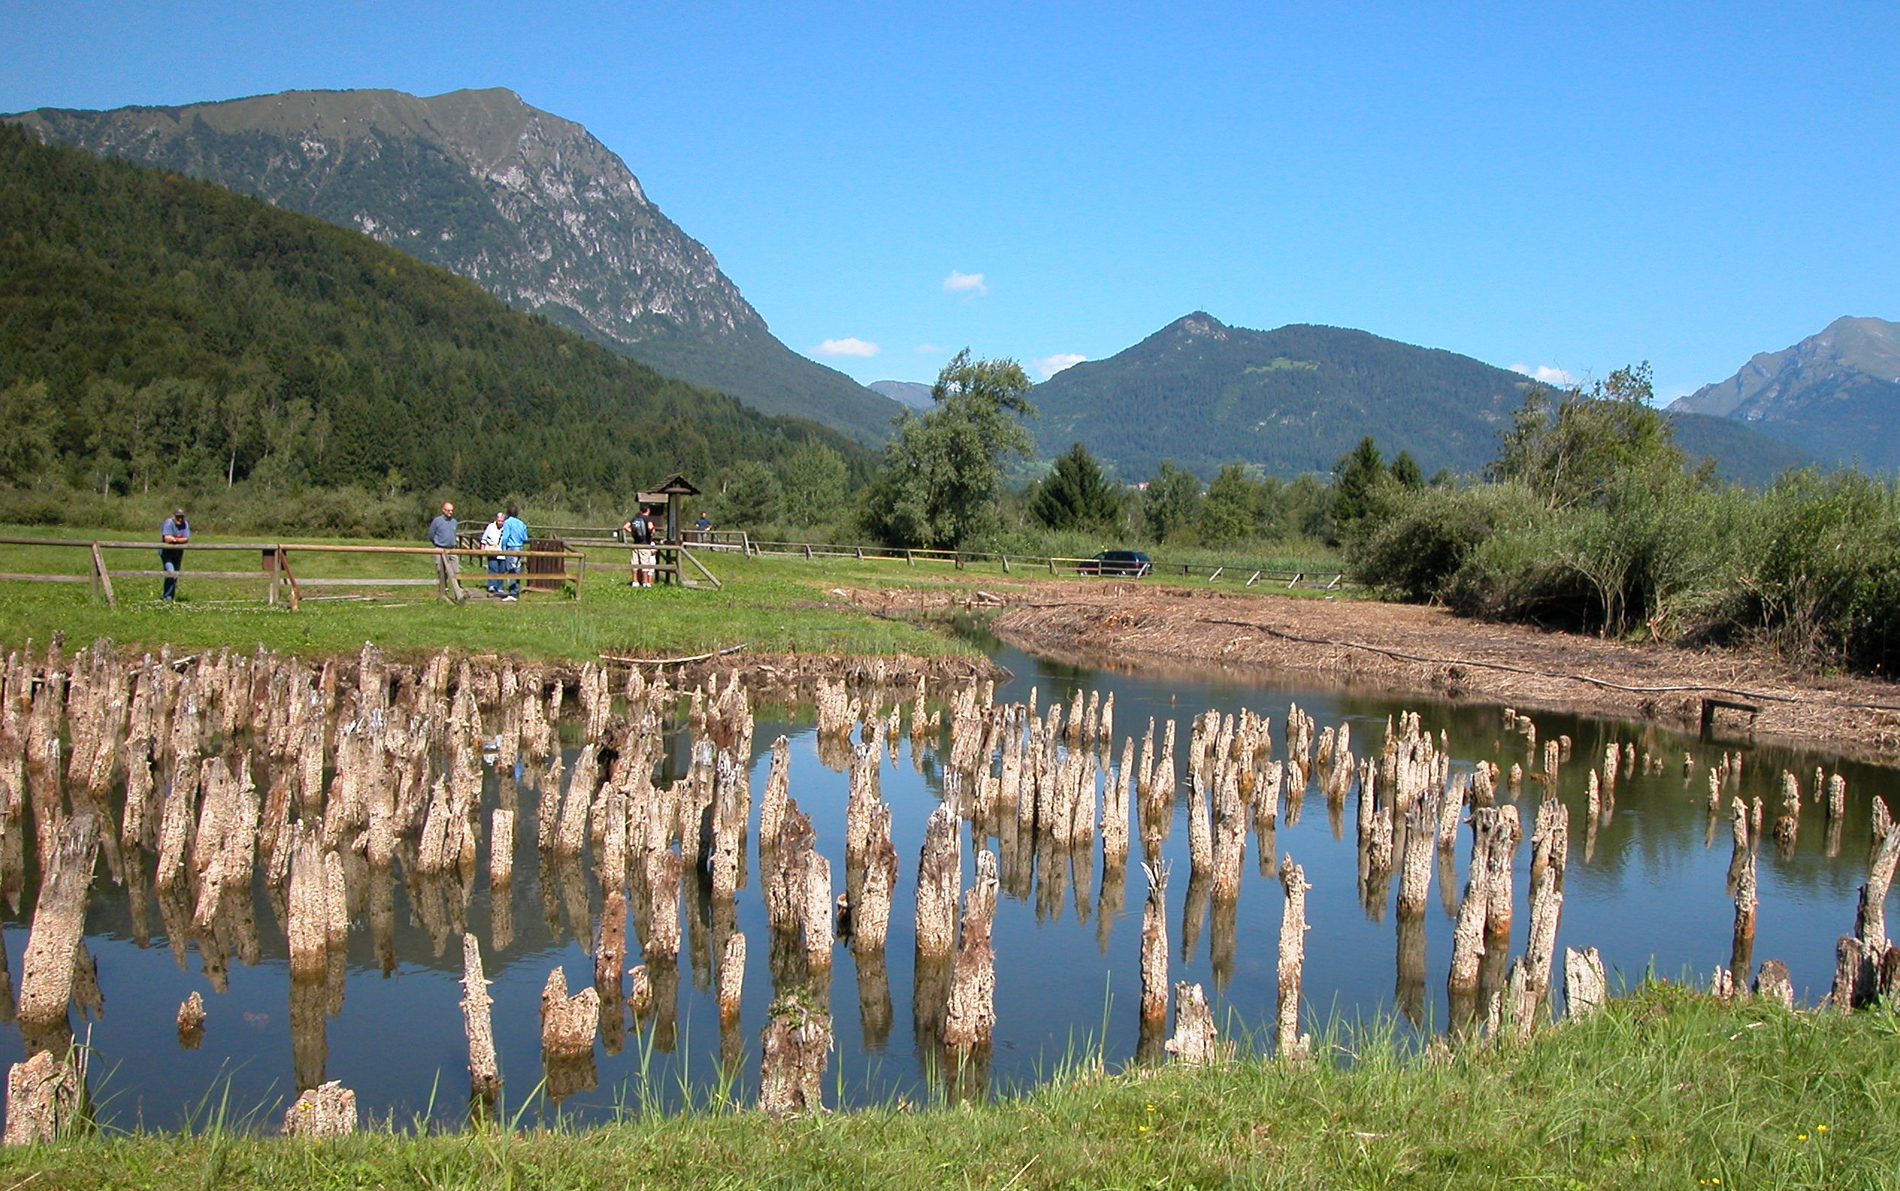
point(1132, 563)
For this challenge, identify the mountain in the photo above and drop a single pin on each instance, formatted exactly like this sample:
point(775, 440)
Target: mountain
point(528, 205)
point(156, 330)
point(910, 393)
point(1287, 401)
point(1741, 453)
point(1296, 399)
point(1836, 393)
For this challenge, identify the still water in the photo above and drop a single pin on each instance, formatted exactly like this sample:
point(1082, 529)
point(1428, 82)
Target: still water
point(1647, 888)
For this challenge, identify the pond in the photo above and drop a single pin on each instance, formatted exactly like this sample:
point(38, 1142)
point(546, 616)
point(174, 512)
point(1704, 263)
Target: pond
point(1647, 884)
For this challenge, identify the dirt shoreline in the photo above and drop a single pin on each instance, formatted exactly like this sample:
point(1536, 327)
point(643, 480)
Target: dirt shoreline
point(1428, 651)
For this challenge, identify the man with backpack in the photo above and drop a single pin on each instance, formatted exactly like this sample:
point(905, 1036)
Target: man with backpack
point(639, 532)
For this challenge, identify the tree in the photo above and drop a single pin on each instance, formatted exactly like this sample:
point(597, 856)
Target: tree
point(942, 473)
point(1171, 502)
point(26, 432)
point(1356, 478)
point(752, 495)
point(1406, 472)
point(1231, 512)
point(1076, 495)
point(814, 478)
point(1571, 450)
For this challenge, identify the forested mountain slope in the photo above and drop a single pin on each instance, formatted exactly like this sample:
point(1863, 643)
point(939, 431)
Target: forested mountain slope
point(530, 206)
point(155, 329)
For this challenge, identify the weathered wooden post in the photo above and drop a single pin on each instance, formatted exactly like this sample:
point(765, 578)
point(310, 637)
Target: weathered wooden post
point(325, 1111)
point(939, 876)
point(1195, 1042)
point(54, 943)
point(797, 1043)
point(1294, 1046)
point(568, 1023)
point(970, 1018)
point(484, 1073)
point(1154, 944)
point(1585, 989)
point(43, 1096)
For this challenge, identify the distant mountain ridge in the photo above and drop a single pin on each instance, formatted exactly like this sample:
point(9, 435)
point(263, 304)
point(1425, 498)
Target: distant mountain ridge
point(1296, 399)
point(529, 205)
point(913, 394)
point(1835, 393)
point(1286, 401)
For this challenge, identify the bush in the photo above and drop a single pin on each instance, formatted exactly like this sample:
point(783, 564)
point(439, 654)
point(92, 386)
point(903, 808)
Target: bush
point(1819, 582)
point(1421, 537)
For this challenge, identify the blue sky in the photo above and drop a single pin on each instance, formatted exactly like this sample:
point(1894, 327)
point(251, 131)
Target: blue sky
point(1571, 187)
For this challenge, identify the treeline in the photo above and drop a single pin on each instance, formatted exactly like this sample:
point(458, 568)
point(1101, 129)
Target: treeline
point(1590, 519)
point(162, 334)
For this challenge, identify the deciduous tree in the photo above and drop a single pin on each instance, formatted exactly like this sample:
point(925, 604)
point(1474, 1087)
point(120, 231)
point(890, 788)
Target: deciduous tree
point(942, 474)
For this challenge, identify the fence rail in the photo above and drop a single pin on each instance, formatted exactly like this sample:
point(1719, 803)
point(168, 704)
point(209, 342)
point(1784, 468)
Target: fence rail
point(274, 570)
point(1247, 574)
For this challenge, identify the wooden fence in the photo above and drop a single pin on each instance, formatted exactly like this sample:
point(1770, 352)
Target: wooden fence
point(548, 569)
point(1244, 573)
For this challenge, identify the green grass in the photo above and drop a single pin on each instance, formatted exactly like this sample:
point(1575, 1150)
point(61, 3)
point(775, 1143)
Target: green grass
point(769, 604)
point(1665, 1088)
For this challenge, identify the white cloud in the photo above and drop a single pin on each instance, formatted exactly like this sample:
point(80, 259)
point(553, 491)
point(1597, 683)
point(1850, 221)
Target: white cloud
point(1546, 374)
point(848, 347)
point(965, 283)
point(930, 349)
point(1050, 365)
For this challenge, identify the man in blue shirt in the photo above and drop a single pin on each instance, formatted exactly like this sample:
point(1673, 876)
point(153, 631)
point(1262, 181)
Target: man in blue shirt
point(514, 536)
point(448, 564)
point(176, 531)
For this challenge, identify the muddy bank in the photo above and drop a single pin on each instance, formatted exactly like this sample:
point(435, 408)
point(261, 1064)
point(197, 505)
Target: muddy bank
point(1411, 649)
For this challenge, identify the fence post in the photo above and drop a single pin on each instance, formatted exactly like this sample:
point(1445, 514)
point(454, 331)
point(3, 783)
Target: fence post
point(808, 554)
point(270, 576)
point(283, 567)
point(101, 578)
point(1006, 564)
point(909, 557)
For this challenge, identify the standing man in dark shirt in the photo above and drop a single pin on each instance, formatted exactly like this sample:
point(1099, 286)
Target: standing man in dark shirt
point(638, 530)
point(448, 564)
point(176, 531)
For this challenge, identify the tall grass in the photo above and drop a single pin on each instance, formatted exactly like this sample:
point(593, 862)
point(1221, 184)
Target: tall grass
point(1809, 567)
point(1663, 1088)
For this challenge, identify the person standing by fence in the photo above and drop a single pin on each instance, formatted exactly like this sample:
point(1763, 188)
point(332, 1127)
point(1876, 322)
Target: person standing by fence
point(497, 565)
point(448, 564)
point(514, 536)
point(175, 531)
point(638, 531)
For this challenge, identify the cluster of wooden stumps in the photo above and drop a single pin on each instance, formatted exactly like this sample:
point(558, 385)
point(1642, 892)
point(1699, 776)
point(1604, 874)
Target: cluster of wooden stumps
point(197, 780)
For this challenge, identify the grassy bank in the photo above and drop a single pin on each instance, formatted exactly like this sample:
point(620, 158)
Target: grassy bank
point(770, 605)
point(1666, 1088)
